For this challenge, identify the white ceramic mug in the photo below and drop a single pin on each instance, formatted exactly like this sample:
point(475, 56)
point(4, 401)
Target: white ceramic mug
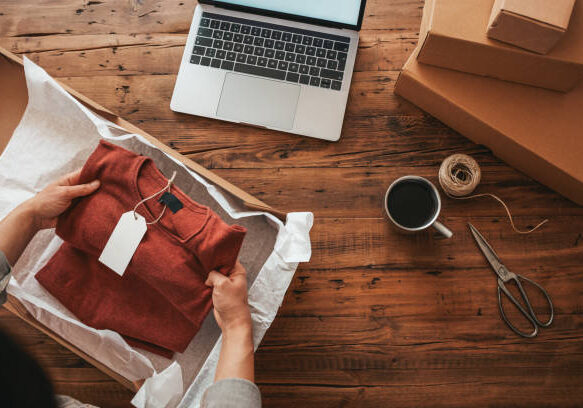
point(432, 222)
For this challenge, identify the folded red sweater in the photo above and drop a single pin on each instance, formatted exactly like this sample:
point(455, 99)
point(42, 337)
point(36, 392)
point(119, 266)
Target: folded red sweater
point(161, 300)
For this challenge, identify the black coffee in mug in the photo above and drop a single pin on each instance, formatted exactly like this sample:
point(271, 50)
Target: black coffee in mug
point(412, 203)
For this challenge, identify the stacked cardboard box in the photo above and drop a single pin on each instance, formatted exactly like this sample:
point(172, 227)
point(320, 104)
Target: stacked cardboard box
point(537, 130)
point(535, 25)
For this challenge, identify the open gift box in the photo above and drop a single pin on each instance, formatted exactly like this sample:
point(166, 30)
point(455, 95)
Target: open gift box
point(275, 244)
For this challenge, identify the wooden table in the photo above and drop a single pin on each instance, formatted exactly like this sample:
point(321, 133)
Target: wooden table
point(376, 319)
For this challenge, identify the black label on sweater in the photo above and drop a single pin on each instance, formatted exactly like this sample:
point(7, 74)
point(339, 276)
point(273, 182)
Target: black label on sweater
point(172, 202)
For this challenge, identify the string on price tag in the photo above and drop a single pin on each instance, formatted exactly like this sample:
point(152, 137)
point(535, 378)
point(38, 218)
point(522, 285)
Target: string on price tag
point(128, 233)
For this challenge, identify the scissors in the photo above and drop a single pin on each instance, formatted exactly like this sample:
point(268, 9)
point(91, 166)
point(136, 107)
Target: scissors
point(505, 276)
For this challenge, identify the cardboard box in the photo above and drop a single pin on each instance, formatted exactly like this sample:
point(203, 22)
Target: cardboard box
point(12, 106)
point(456, 38)
point(535, 25)
point(535, 130)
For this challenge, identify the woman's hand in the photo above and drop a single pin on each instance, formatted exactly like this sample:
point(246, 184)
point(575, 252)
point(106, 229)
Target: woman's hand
point(54, 200)
point(233, 316)
point(40, 212)
point(230, 298)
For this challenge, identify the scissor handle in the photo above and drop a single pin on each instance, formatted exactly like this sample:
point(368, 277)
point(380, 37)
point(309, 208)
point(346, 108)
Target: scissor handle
point(502, 288)
point(528, 313)
point(528, 304)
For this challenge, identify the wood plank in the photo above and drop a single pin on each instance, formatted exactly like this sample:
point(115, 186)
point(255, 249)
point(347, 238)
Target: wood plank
point(360, 191)
point(424, 294)
point(38, 17)
point(314, 334)
point(372, 242)
point(350, 366)
point(160, 54)
point(461, 394)
point(418, 142)
point(107, 54)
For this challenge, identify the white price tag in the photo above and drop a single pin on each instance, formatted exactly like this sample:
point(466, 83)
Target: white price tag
point(123, 242)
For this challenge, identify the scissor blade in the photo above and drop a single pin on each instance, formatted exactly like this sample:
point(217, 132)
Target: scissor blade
point(486, 249)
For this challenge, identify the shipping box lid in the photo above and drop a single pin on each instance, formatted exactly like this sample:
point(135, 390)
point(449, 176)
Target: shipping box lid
point(456, 38)
point(535, 25)
point(535, 130)
point(553, 12)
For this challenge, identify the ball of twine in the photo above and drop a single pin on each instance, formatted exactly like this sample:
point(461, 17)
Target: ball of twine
point(459, 175)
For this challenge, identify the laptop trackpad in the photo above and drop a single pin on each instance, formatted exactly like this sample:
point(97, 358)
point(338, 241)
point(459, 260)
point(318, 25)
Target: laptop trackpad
point(258, 101)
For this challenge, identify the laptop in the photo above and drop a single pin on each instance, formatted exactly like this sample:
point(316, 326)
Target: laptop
point(279, 64)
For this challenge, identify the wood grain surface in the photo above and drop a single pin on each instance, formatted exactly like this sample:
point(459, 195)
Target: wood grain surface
point(376, 319)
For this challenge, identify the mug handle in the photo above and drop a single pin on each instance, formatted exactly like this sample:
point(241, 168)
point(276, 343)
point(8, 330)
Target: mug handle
point(442, 229)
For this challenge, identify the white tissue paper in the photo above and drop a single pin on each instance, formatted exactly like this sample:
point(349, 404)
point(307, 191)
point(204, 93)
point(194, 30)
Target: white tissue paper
point(55, 136)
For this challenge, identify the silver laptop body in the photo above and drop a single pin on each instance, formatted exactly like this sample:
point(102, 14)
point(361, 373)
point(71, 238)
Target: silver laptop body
point(301, 88)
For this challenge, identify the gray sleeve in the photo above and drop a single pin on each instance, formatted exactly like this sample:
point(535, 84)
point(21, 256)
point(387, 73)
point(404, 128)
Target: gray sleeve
point(232, 393)
point(4, 277)
point(64, 401)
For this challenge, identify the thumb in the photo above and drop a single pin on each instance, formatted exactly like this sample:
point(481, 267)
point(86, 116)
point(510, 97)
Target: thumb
point(237, 270)
point(81, 189)
point(215, 278)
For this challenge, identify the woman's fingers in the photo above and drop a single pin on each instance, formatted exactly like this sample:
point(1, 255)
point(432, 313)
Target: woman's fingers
point(71, 187)
point(81, 189)
point(70, 179)
point(215, 278)
point(238, 270)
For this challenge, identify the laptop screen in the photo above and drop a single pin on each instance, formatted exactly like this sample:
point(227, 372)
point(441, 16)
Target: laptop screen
point(347, 13)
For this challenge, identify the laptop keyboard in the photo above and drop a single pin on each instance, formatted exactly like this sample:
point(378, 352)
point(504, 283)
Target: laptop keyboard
point(271, 51)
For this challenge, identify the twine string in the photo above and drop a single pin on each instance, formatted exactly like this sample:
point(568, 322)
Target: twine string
point(167, 188)
point(460, 175)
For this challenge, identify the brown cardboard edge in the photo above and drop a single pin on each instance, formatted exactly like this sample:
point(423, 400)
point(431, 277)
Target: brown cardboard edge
point(512, 51)
point(496, 8)
point(505, 48)
point(554, 33)
point(17, 308)
point(15, 98)
point(429, 33)
point(425, 28)
point(533, 21)
point(564, 27)
point(408, 87)
point(248, 200)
